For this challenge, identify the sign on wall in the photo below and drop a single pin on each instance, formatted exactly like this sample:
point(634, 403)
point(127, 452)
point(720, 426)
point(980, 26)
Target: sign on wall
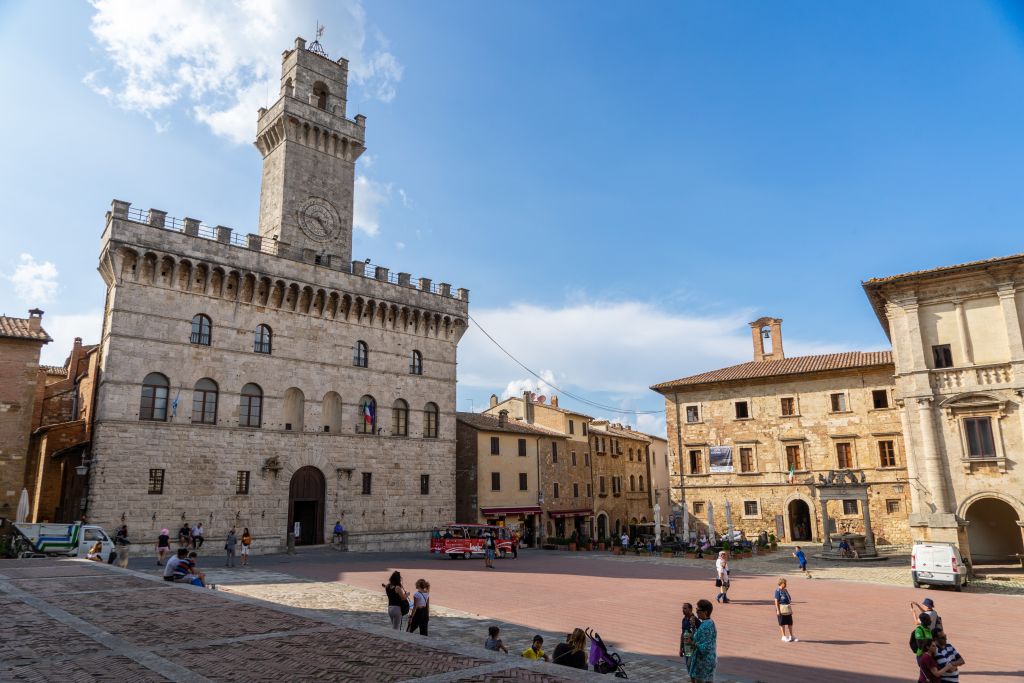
point(720, 458)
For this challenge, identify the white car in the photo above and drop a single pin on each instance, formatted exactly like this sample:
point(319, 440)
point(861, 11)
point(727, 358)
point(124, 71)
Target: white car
point(936, 563)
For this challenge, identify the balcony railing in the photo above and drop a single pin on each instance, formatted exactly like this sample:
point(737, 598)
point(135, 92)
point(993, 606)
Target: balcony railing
point(973, 377)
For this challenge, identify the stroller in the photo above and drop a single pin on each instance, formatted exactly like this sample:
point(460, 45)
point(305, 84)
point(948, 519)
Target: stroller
point(603, 661)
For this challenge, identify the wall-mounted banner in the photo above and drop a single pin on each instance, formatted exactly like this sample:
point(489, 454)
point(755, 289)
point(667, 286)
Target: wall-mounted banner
point(721, 458)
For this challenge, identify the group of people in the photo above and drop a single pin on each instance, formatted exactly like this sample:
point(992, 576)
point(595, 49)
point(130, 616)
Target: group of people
point(937, 660)
point(401, 604)
point(189, 539)
point(184, 568)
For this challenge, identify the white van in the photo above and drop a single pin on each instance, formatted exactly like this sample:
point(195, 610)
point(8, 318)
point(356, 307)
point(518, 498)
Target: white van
point(935, 563)
point(70, 540)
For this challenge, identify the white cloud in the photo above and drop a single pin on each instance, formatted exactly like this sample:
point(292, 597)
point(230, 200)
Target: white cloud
point(370, 196)
point(223, 57)
point(399, 245)
point(64, 329)
point(541, 387)
point(34, 283)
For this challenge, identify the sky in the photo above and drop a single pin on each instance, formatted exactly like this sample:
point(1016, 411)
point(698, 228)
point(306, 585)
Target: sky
point(621, 187)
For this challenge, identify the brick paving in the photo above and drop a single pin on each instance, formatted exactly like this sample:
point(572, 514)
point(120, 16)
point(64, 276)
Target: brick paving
point(70, 620)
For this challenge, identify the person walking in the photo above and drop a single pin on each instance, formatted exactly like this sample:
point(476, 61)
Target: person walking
point(398, 600)
point(515, 546)
point(229, 547)
point(121, 543)
point(722, 574)
point(801, 558)
point(572, 651)
point(689, 626)
point(784, 611)
point(488, 550)
point(197, 536)
point(704, 659)
point(948, 658)
point(163, 546)
point(625, 542)
point(420, 616)
point(246, 544)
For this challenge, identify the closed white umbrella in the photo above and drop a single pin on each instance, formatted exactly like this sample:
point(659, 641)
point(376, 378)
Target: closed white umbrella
point(711, 522)
point(22, 515)
point(728, 519)
point(686, 524)
point(657, 524)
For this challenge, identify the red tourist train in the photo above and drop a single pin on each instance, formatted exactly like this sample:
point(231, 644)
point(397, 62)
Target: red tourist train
point(465, 540)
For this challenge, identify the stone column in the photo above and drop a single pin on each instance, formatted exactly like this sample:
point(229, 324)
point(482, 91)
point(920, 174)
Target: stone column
point(962, 333)
point(869, 535)
point(933, 469)
point(1008, 302)
point(917, 356)
point(826, 540)
point(910, 454)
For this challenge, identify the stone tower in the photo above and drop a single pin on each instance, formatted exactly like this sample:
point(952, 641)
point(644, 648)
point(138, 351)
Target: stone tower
point(309, 152)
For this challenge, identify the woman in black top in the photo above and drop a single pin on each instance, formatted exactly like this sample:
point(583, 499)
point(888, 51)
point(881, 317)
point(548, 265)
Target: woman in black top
point(398, 600)
point(573, 651)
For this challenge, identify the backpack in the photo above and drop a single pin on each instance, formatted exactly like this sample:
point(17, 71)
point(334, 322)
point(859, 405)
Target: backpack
point(913, 641)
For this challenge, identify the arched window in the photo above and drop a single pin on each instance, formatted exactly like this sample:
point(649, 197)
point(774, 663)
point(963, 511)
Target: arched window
point(261, 340)
point(632, 483)
point(154, 397)
point(289, 90)
point(332, 412)
point(250, 408)
point(204, 402)
point(361, 355)
point(430, 419)
point(320, 93)
point(366, 422)
point(400, 418)
point(294, 409)
point(416, 365)
point(201, 329)
point(641, 482)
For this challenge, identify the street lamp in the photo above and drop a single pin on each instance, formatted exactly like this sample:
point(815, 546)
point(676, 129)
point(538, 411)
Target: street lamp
point(83, 468)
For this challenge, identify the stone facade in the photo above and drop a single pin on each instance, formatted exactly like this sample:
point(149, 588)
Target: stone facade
point(622, 476)
point(739, 431)
point(660, 480)
point(236, 372)
point(957, 340)
point(21, 340)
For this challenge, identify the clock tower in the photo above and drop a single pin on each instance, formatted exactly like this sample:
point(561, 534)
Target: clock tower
point(309, 154)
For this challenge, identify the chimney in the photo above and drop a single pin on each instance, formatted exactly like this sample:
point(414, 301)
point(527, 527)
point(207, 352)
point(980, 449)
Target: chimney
point(76, 358)
point(494, 401)
point(35, 319)
point(502, 418)
point(766, 334)
point(528, 407)
point(554, 401)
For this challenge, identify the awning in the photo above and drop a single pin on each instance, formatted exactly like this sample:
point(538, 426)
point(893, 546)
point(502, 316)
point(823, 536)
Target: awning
point(522, 510)
point(571, 513)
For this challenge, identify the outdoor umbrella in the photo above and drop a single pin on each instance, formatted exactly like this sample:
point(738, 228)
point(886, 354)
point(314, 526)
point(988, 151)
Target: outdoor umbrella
point(711, 523)
point(657, 524)
point(728, 519)
point(22, 507)
point(686, 524)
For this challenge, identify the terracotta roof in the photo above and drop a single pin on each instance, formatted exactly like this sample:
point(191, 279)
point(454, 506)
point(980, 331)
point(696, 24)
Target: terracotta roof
point(787, 366)
point(608, 428)
point(54, 370)
point(549, 406)
point(944, 269)
point(18, 328)
point(489, 423)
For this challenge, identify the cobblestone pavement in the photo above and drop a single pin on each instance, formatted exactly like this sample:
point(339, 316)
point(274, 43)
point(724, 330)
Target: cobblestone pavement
point(71, 620)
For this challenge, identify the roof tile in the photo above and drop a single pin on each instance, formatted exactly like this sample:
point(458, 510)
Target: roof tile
point(19, 328)
point(489, 423)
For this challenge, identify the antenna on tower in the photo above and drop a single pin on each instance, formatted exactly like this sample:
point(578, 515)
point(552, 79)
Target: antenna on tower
point(315, 46)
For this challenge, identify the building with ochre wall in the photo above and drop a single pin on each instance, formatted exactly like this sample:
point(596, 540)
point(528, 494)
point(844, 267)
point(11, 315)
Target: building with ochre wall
point(267, 379)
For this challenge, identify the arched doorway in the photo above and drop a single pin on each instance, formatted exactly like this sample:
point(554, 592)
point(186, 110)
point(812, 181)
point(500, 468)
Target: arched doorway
point(800, 528)
point(993, 532)
point(602, 526)
point(306, 505)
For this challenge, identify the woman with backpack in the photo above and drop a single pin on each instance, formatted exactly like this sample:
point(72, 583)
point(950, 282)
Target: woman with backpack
point(398, 600)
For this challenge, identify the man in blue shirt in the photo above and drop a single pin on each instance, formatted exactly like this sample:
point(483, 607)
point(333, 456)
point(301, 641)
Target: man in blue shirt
point(802, 559)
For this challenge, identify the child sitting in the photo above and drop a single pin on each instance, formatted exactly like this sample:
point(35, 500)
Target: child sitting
point(493, 642)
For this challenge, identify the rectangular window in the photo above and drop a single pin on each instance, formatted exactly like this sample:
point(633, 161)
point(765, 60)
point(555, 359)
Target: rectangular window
point(590, 491)
point(838, 403)
point(156, 481)
point(573, 454)
point(522, 448)
point(887, 453)
point(554, 490)
point(631, 455)
point(793, 459)
point(788, 406)
point(746, 459)
point(575, 490)
point(942, 355)
point(495, 481)
point(751, 508)
point(850, 507)
point(980, 443)
point(524, 482)
point(696, 462)
point(600, 486)
point(495, 446)
point(554, 452)
point(586, 459)
point(880, 399)
point(844, 456)
point(693, 413)
point(698, 507)
point(424, 484)
point(584, 429)
point(742, 410)
point(242, 483)
point(892, 507)
point(367, 483)
point(572, 427)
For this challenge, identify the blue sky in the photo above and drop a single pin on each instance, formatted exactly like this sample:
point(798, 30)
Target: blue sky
point(621, 187)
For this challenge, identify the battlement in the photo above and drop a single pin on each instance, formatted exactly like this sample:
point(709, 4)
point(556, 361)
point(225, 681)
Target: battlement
point(193, 227)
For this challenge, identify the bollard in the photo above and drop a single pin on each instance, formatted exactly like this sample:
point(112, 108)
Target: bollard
point(291, 543)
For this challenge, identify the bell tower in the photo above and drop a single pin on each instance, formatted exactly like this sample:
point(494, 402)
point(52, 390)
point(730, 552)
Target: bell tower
point(309, 154)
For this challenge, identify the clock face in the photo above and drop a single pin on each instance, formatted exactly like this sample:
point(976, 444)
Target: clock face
point(318, 219)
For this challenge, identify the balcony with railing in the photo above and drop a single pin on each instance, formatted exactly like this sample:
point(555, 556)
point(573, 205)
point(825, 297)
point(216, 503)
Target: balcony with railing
point(975, 377)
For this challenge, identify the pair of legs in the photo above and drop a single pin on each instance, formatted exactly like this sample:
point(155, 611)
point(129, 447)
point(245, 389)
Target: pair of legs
point(489, 558)
point(197, 542)
point(395, 615)
point(245, 556)
point(230, 562)
point(160, 552)
point(419, 623)
point(786, 623)
point(723, 596)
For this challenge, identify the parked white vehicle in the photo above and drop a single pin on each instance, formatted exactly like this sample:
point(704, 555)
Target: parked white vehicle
point(68, 540)
point(935, 563)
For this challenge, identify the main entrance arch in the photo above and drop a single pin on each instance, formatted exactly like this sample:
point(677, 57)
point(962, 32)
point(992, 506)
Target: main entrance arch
point(800, 527)
point(993, 533)
point(602, 526)
point(306, 505)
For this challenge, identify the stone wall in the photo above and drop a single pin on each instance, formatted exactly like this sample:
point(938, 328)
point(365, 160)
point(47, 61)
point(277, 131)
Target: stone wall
point(19, 363)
